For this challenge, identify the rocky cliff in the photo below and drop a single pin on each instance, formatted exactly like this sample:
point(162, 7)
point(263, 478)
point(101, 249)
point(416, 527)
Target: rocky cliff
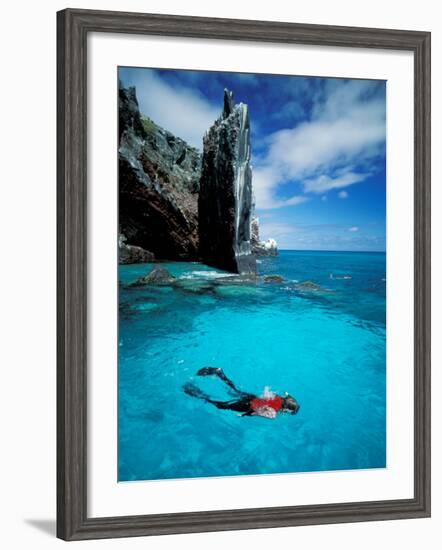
point(225, 200)
point(158, 186)
point(132, 254)
point(261, 248)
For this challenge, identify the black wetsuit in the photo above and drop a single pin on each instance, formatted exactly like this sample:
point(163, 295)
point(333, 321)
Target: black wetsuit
point(242, 405)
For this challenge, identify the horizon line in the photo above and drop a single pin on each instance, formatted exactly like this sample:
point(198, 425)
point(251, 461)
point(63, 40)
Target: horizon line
point(330, 250)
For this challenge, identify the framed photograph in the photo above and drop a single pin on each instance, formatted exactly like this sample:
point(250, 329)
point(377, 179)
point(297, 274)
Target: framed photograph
point(243, 274)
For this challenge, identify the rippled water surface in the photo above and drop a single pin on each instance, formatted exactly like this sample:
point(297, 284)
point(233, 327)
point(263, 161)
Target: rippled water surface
point(326, 347)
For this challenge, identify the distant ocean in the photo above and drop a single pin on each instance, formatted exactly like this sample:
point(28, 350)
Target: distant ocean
point(325, 347)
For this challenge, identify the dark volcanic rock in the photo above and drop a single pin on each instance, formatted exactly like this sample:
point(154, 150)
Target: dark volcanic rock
point(308, 286)
point(273, 279)
point(158, 276)
point(130, 254)
point(225, 200)
point(158, 185)
point(261, 248)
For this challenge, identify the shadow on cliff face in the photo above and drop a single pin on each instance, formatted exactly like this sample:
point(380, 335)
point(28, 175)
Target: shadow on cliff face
point(158, 185)
point(177, 203)
point(225, 201)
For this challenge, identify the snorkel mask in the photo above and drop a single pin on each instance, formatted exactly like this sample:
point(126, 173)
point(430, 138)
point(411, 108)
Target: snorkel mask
point(290, 406)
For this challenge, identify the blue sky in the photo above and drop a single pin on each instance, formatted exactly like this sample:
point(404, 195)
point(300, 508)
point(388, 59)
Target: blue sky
point(318, 148)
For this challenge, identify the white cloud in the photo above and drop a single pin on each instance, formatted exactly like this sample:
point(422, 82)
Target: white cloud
point(343, 195)
point(275, 230)
point(293, 201)
point(325, 236)
point(264, 182)
point(324, 183)
point(179, 109)
point(345, 131)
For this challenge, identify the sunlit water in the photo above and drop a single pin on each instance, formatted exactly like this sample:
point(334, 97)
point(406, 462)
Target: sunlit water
point(326, 348)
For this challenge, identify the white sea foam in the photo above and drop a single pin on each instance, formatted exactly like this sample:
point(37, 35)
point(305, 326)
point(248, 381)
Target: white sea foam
point(206, 275)
point(339, 277)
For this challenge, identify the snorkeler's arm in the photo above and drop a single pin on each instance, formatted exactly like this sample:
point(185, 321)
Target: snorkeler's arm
point(265, 412)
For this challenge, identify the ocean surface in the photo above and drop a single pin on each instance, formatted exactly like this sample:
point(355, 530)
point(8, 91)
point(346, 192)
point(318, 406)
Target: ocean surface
point(325, 347)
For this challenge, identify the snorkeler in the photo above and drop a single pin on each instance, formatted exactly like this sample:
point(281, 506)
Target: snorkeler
point(267, 406)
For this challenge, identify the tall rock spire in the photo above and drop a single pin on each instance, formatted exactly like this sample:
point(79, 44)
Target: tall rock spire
point(225, 201)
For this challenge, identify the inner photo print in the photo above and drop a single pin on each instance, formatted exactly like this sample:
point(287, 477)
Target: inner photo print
point(252, 274)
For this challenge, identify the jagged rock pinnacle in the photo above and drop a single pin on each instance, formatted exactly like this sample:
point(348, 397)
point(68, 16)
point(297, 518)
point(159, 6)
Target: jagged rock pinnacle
point(225, 201)
point(228, 103)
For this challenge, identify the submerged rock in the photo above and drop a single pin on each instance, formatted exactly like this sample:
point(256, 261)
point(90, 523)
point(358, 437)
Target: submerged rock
point(195, 286)
point(158, 185)
point(273, 279)
point(147, 306)
point(158, 276)
point(131, 254)
point(225, 199)
point(261, 248)
point(308, 285)
point(237, 291)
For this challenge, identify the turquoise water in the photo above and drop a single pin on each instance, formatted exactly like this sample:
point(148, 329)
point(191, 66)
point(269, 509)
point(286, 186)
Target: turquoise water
point(325, 347)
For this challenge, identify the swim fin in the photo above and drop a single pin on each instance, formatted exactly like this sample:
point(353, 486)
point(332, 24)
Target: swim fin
point(207, 371)
point(194, 391)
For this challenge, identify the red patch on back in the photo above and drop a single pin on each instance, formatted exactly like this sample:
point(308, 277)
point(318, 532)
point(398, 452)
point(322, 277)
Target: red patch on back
point(274, 402)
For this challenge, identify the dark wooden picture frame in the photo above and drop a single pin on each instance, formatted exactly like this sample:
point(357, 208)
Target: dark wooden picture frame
point(73, 27)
